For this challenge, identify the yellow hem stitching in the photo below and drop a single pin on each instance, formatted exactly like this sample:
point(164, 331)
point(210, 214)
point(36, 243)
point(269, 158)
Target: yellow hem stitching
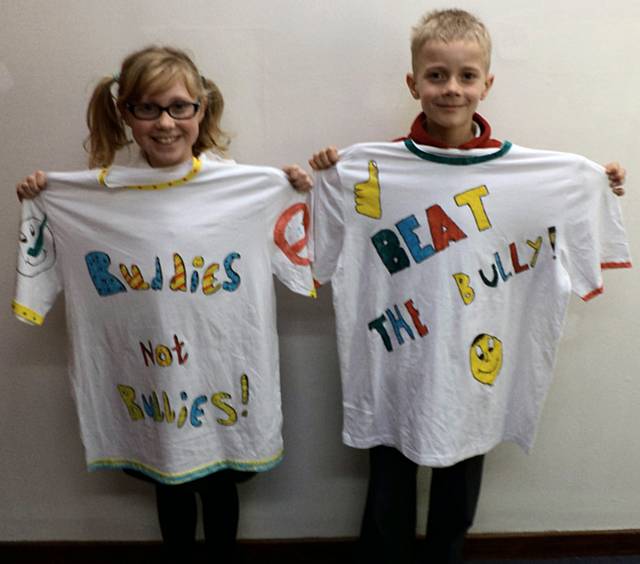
point(27, 314)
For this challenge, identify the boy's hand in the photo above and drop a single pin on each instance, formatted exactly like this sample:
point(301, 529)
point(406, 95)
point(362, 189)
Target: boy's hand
point(324, 159)
point(616, 175)
point(298, 178)
point(32, 185)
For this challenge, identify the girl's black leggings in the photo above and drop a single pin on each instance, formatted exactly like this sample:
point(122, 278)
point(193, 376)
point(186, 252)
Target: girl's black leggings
point(178, 514)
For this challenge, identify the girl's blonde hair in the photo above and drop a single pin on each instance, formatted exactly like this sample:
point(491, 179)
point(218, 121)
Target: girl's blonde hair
point(150, 71)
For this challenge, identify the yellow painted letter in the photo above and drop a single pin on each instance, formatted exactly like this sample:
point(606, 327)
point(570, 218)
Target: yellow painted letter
point(535, 245)
point(217, 400)
point(128, 395)
point(466, 291)
point(472, 198)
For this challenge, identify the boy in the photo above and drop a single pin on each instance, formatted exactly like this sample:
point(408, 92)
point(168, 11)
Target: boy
point(448, 324)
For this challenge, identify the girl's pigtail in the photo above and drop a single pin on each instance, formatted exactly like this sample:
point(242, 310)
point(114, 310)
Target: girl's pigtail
point(106, 129)
point(211, 136)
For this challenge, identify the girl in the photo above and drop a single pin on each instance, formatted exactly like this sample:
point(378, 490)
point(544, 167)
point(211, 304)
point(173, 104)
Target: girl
point(160, 72)
point(174, 116)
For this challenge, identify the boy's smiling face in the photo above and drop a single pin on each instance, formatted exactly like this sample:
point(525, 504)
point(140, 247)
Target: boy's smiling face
point(450, 79)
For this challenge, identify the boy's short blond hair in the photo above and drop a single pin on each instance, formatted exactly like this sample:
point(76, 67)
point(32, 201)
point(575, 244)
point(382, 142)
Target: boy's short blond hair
point(447, 26)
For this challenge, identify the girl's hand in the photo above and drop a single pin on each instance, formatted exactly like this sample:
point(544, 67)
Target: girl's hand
point(616, 175)
point(326, 158)
point(298, 178)
point(32, 185)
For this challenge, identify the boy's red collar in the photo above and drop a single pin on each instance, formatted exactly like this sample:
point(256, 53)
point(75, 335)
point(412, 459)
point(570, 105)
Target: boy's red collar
point(483, 141)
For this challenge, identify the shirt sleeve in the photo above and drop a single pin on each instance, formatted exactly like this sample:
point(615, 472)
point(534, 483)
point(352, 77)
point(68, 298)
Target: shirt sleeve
point(37, 275)
point(291, 257)
point(328, 223)
point(595, 235)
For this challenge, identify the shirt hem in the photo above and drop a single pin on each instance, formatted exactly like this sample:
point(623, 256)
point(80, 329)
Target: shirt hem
point(23, 313)
point(189, 475)
point(435, 461)
point(611, 265)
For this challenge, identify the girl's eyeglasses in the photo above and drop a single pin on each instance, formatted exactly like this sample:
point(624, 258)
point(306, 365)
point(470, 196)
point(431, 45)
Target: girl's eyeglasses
point(150, 111)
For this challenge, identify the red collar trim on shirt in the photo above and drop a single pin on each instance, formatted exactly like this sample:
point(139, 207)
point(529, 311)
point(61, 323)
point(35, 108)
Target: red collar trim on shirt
point(420, 135)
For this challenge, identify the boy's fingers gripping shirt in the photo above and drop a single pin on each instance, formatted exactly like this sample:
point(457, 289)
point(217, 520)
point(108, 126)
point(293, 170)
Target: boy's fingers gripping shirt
point(170, 308)
point(451, 274)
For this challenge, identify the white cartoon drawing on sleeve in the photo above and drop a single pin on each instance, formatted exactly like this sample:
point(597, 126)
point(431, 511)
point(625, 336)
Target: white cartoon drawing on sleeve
point(37, 248)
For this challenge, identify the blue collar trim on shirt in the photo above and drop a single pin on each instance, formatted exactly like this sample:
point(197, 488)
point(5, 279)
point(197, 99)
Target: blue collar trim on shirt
point(455, 159)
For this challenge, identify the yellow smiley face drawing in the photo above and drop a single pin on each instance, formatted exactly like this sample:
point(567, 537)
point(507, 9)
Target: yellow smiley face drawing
point(485, 358)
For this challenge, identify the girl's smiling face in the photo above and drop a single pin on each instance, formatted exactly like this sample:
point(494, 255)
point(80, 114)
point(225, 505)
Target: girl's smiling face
point(166, 141)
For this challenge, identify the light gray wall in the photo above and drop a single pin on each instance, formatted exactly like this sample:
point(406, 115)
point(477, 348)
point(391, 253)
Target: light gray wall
point(297, 75)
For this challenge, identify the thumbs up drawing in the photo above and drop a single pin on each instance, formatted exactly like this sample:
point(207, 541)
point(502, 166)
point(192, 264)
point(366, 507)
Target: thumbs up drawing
point(367, 194)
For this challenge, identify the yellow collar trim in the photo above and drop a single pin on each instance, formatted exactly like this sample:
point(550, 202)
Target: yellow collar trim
point(196, 165)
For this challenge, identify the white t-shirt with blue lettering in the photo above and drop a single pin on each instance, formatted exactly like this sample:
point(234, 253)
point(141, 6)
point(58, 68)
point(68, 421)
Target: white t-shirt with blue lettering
point(170, 303)
point(451, 273)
